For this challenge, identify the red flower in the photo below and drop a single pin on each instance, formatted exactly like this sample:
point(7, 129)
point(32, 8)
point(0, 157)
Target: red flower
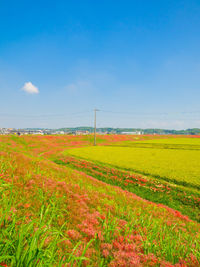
point(27, 205)
point(105, 253)
point(73, 234)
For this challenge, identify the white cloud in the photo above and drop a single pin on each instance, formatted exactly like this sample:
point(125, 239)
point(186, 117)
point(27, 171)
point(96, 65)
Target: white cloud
point(30, 88)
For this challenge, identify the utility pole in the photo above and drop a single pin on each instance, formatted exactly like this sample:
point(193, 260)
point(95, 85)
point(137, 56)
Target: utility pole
point(95, 126)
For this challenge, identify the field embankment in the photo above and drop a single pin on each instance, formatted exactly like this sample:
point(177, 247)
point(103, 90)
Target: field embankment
point(52, 215)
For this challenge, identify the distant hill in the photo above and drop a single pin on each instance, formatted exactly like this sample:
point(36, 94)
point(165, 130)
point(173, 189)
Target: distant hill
point(193, 131)
point(109, 130)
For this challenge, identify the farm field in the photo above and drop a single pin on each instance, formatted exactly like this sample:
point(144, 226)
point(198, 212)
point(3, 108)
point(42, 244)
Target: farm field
point(177, 165)
point(170, 143)
point(59, 210)
point(167, 140)
point(179, 140)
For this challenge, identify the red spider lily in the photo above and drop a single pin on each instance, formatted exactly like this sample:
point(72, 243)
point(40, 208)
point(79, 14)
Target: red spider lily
point(106, 246)
point(105, 253)
point(73, 234)
point(27, 205)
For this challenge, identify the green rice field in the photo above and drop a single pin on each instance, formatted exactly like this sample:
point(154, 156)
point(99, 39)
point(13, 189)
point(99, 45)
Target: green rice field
point(180, 164)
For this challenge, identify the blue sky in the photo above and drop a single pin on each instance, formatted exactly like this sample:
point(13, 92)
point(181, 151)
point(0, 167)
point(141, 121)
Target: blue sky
point(139, 60)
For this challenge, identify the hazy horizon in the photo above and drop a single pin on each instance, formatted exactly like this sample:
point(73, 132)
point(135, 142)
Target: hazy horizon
point(66, 127)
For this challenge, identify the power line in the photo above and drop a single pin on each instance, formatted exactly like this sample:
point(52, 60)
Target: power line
point(166, 116)
point(135, 113)
point(150, 113)
point(44, 115)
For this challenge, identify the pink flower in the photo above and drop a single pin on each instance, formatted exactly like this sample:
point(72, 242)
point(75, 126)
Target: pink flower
point(13, 210)
point(106, 246)
point(105, 253)
point(73, 234)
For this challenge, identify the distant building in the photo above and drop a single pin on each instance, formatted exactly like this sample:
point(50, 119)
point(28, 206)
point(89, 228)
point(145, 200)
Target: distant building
point(4, 131)
point(57, 132)
point(133, 133)
point(25, 132)
point(82, 132)
point(103, 133)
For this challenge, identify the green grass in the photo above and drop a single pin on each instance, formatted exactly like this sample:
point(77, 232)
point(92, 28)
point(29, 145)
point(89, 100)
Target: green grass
point(177, 197)
point(34, 241)
point(40, 202)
